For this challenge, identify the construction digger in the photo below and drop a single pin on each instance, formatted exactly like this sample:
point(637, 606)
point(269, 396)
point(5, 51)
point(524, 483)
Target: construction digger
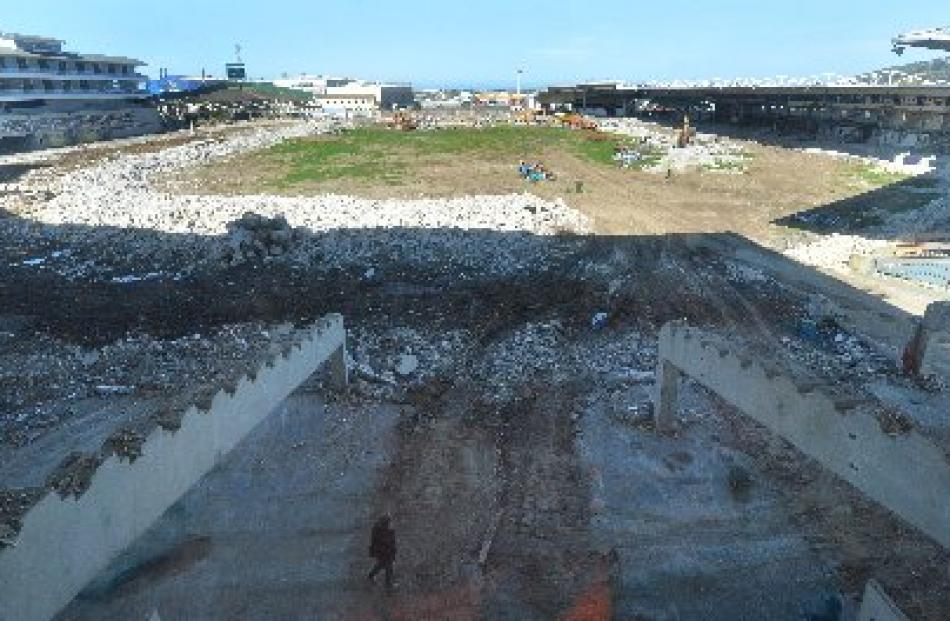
point(577, 121)
point(529, 117)
point(685, 135)
point(402, 121)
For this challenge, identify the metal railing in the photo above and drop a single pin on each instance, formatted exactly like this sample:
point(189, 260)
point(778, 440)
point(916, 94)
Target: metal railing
point(40, 91)
point(16, 70)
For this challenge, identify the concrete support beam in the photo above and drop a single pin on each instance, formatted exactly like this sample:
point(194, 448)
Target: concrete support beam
point(905, 472)
point(65, 542)
point(936, 346)
point(336, 366)
point(877, 605)
point(667, 391)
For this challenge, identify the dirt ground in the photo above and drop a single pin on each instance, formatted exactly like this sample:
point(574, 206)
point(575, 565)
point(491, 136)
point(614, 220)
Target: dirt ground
point(468, 451)
point(520, 465)
point(777, 183)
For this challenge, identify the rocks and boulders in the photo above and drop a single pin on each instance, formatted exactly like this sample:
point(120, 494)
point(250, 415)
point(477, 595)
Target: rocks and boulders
point(256, 238)
point(406, 365)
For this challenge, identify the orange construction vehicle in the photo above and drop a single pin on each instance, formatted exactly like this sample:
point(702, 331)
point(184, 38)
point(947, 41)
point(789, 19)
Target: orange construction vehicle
point(403, 121)
point(577, 121)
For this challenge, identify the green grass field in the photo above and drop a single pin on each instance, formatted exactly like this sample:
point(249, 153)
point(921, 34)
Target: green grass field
point(380, 154)
point(876, 177)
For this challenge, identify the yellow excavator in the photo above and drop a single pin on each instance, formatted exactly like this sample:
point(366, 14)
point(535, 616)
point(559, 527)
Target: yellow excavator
point(577, 121)
point(685, 135)
point(403, 121)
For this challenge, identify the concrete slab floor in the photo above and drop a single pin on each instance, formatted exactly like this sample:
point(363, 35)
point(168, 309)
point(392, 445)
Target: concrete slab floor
point(280, 530)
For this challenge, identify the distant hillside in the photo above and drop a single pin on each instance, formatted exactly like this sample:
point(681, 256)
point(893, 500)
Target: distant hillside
point(928, 71)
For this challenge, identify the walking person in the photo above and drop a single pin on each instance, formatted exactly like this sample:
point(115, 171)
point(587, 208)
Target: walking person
point(382, 547)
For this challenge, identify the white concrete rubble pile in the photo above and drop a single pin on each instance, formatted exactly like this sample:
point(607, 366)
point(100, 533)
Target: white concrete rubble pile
point(51, 381)
point(707, 152)
point(902, 163)
point(118, 194)
point(833, 252)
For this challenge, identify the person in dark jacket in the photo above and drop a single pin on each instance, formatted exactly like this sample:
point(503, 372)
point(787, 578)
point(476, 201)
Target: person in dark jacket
point(382, 547)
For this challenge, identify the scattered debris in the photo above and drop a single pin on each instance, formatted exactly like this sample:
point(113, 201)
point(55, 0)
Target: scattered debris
point(74, 474)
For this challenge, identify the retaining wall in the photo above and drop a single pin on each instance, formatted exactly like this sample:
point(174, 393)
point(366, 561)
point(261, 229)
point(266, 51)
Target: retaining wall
point(42, 130)
point(65, 542)
point(936, 332)
point(901, 469)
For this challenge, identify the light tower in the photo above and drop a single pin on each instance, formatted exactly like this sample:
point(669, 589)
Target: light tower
point(236, 71)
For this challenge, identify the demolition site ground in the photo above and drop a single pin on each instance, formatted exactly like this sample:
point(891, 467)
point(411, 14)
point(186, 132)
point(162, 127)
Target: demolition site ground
point(738, 186)
point(502, 340)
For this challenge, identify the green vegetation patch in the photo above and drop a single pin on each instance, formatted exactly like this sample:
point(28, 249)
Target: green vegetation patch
point(381, 154)
point(601, 148)
point(875, 177)
point(725, 165)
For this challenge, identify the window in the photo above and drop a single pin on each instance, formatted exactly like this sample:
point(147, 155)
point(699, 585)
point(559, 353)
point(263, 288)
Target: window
point(63, 67)
point(112, 68)
point(125, 70)
point(96, 68)
point(44, 64)
point(21, 63)
point(48, 85)
point(80, 67)
point(3, 62)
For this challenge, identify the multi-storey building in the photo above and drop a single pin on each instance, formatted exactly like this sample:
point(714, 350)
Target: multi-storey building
point(349, 97)
point(49, 97)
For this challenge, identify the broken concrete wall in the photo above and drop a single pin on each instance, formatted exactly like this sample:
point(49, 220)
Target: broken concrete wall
point(877, 605)
point(66, 542)
point(936, 331)
point(903, 470)
point(41, 130)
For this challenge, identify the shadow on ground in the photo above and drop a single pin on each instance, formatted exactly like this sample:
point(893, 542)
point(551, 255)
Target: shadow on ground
point(791, 135)
point(884, 213)
point(445, 458)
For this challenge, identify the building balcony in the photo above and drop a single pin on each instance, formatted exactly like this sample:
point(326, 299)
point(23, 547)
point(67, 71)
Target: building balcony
point(44, 74)
point(26, 94)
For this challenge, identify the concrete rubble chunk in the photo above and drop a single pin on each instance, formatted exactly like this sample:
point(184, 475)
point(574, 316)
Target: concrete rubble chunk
point(407, 365)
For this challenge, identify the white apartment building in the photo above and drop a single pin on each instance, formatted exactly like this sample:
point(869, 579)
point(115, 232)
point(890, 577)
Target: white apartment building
point(314, 84)
point(349, 97)
point(36, 68)
point(49, 97)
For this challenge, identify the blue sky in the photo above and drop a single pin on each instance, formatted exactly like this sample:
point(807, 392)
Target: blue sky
point(483, 42)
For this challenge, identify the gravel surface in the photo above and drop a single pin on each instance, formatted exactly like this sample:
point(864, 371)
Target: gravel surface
point(44, 381)
point(832, 252)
